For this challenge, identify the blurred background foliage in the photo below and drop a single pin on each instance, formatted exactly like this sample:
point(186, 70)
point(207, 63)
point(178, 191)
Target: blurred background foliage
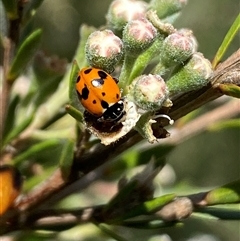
point(207, 160)
point(209, 20)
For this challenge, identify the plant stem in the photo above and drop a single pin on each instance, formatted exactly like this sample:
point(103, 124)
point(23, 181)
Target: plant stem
point(124, 78)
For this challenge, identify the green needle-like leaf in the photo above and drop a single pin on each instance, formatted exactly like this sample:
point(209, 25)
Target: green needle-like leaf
point(66, 157)
point(230, 89)
point(144, 208)
point(11, 115)
point(229, 193)
point(24, 54)
point(226, 42)
point(222, 213)
point(75, 113)
point(151, 206)
point(72, 88)
point(18, 129)
point(37, 148)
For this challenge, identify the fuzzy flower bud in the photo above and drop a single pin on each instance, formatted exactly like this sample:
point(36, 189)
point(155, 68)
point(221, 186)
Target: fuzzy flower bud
point(189, 34)
point(122, 11)
point(179, 209)
point(138, 35)
point(104, 50)
point(149, 92)
point(165, 8)
point(176, 49)
point(192, 76)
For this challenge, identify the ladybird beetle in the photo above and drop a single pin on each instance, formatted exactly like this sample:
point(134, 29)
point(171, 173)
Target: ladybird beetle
point(100, 95)
point(10, 185)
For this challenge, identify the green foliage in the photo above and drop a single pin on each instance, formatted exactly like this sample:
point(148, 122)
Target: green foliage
point(233, 31)
point(35, 149)
point(230, 89)
point(131, 189)
point(24, 55)
point(18, 129)
point(227, 194)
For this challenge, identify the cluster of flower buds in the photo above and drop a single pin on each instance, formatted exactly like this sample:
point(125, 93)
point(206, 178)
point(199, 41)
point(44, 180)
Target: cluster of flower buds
point(144, 43)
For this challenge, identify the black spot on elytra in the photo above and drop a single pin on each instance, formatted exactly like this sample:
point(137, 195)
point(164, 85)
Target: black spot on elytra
point(102, 74)
point(115, 79)
point(103, 93)
point(117, 96)
point(85, 93)
point(104, 104)
point(78, 78)
point(87, 71)
point(94, 102)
